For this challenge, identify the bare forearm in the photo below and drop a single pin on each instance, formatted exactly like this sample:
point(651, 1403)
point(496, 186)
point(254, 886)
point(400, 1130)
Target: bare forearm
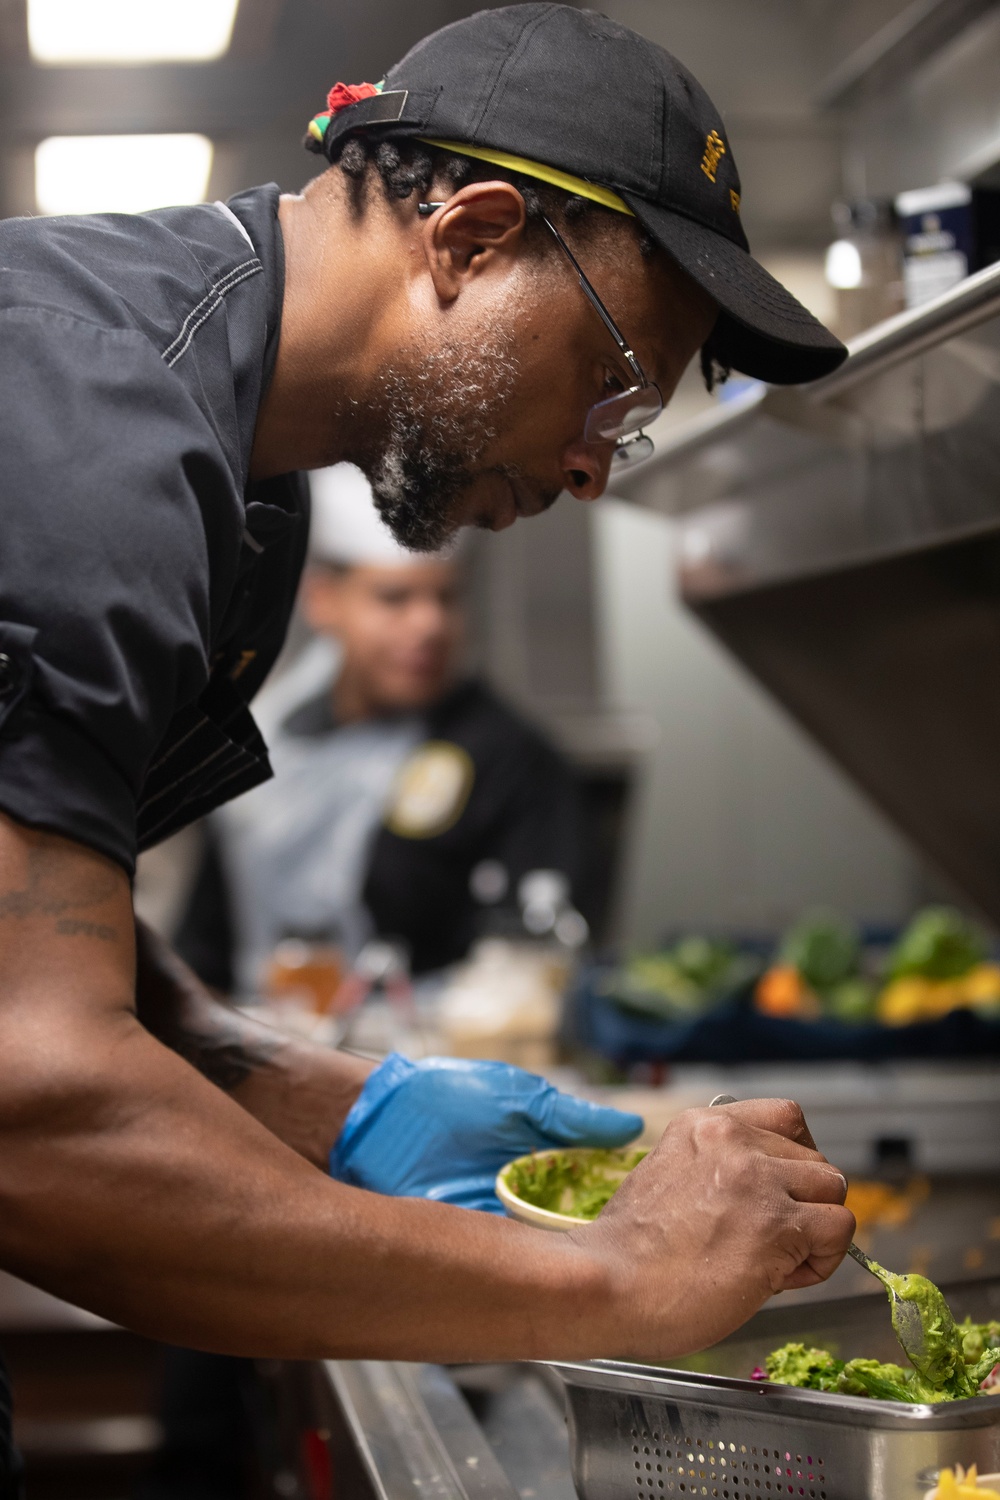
point(131, 1184)
point(299, 1092)
point(141, 1191)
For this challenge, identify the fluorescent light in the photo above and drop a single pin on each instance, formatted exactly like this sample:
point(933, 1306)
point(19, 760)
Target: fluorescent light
point(129, 31)
point(843, 265)
point(89, 174)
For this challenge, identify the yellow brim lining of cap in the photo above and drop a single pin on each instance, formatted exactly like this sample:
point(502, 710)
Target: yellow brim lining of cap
point(569, 184)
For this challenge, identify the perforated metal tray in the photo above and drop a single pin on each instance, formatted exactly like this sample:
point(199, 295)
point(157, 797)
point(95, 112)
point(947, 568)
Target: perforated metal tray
point(702, 1428)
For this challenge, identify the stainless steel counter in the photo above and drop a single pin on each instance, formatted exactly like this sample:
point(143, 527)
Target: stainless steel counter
point(484, 1432)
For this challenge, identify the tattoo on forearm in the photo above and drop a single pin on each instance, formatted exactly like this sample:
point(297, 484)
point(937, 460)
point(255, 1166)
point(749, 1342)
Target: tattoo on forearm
point(45, 894)
point(73, 927)
point(172, 1004)
point(224, 1059)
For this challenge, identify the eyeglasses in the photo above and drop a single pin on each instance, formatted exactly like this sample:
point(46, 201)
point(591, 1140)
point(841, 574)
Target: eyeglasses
point(627, 412)
point(620, 418)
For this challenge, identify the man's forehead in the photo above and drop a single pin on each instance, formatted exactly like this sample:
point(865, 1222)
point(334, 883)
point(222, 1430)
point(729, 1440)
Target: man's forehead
point(422, 572)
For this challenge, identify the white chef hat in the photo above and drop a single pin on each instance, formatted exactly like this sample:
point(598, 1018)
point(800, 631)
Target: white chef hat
point(347, 528)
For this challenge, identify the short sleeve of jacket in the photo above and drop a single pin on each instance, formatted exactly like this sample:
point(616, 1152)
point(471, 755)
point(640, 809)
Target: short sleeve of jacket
point(106, 602)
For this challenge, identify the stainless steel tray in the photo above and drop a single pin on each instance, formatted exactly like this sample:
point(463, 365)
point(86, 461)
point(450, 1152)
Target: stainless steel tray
point(701, 1428)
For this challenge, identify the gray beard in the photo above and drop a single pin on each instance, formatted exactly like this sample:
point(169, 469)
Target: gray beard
point(438, 417)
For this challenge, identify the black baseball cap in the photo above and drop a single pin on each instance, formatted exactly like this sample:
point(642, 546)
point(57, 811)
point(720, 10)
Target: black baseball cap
point(572, 98)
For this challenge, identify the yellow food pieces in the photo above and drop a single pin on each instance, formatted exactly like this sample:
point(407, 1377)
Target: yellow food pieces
point(783, 992)
point(981, 986)
point(910, 999)
point(878, 1204)
point(959, 1484)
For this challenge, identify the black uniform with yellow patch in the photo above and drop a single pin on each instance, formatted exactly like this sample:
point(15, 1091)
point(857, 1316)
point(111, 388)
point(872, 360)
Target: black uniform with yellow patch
point(505, 795)
point(521, 809)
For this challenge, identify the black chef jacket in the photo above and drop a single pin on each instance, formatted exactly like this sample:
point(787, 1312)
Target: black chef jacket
point(145, 586)
point(523, 811)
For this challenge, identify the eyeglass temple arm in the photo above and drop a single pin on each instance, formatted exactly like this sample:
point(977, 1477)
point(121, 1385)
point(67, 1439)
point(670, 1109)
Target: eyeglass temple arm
point(597, 304)
point(426, 209)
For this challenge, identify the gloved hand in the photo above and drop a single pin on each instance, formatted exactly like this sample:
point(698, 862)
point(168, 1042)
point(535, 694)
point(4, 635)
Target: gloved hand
point(442, 1128)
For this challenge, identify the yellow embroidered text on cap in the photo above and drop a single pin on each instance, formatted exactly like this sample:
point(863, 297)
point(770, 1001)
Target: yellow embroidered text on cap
point(715, 148)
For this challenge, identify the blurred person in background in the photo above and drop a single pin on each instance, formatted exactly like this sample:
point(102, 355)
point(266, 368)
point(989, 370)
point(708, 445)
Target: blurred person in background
point(396, 774)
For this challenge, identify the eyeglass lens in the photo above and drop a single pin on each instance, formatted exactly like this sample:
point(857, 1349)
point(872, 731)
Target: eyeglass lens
point(629, 411)
point(631, 451)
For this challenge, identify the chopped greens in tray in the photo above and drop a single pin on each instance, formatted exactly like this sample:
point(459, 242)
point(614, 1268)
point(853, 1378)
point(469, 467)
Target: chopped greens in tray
point(682, 982)
point(568, 1182)
point(965, 1357)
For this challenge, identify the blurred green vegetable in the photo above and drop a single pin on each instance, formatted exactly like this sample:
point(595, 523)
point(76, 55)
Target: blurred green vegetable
point(704, 962)
point(939, 943)
point(824, 949)
point(824, 952)
point(852, 1001)
point(682, 982)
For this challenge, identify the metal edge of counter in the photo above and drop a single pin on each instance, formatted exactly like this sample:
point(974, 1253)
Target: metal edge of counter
point(414, 1433)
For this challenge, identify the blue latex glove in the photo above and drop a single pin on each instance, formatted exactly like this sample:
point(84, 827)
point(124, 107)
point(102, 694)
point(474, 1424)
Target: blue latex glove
point(442, 1128)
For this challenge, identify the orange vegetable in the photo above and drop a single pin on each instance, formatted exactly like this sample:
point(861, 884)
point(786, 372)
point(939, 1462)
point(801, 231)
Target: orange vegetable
point(782, 991)
point(876, 1203)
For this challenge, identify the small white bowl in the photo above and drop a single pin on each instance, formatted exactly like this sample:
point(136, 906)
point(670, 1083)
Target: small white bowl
point(545, 1218)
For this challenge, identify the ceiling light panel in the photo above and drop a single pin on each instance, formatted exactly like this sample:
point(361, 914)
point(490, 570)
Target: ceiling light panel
point(89, 174)
point(129, 31)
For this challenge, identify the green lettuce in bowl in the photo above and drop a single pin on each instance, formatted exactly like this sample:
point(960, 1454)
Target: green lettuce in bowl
point(559, 1189)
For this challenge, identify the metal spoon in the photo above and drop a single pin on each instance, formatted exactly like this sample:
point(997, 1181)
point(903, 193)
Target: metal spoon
point(906, 1318)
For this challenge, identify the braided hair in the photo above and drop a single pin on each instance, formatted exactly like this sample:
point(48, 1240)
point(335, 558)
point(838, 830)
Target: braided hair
point(406, 166)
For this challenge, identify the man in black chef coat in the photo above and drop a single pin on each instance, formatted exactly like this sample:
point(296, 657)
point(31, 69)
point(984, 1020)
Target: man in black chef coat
point(526, 232)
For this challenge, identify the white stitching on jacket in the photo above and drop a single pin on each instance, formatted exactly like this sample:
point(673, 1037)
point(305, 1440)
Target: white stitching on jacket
point(229, 746)
point(173, 748)
point(206, 307)
point(243, 764)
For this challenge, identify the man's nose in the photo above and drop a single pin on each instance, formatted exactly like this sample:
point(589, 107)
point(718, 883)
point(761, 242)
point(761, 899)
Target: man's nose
point(585, 469)
point(429, 617)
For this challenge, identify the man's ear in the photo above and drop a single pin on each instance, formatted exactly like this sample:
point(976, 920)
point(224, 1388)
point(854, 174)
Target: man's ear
point(481, 223)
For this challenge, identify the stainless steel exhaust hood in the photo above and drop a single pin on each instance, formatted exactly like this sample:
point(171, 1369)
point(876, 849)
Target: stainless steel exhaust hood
point(843, 540)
